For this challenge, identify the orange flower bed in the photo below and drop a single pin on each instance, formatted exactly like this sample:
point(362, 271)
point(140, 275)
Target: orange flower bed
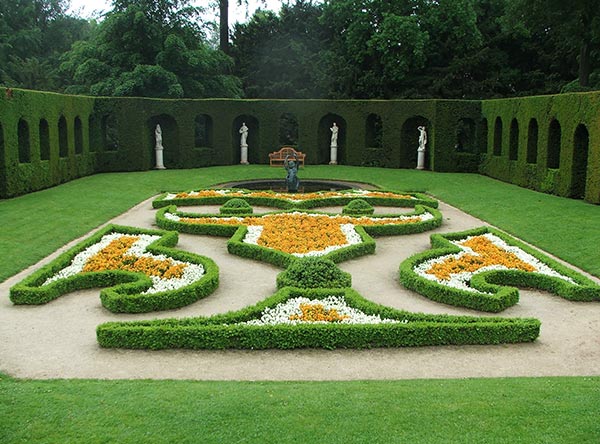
point(114, 257)
point(486, 254)
point(299, 233)
point(289, 196)
point(317, 313)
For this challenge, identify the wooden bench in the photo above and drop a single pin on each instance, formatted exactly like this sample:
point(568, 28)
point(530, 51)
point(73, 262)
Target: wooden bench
point(278, 157)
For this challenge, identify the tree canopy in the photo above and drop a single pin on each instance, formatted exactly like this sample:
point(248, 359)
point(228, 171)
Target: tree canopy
point(309, 49)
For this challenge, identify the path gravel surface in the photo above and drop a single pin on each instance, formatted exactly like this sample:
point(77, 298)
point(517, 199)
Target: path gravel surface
point(58, 340)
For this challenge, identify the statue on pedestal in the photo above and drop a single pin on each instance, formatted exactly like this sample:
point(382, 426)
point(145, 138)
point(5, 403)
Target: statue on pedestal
point(334, 137)
point(244, 144)
point(291, 180)
point(158, 148)
point(421, 149)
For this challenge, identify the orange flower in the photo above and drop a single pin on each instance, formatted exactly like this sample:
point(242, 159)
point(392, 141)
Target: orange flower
point(316, 313)
point(114, 257)
point(486, 254)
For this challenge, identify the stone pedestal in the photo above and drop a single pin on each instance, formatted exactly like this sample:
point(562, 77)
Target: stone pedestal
point(159, 159)
point(333, 155)
point(244, 154)
point(420, 160)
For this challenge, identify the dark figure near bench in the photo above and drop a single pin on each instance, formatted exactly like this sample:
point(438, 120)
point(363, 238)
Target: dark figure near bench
point(291, 180)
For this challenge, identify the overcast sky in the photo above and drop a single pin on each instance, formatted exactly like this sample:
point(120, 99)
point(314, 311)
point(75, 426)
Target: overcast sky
point(86, 8)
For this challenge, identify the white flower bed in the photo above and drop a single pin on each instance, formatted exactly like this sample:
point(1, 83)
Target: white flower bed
point(462, 280)
point(191, 272)
point(281, 313)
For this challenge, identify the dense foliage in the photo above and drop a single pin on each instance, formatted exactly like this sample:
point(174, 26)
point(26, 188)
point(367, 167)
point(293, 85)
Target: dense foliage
point(310, 49)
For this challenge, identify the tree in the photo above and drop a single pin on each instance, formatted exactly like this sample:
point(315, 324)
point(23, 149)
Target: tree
point(150, 48)
point(574, 25)
point(33, 34)
point(278, 55)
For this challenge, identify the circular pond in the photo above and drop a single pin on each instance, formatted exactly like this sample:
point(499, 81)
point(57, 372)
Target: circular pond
point(306, 186)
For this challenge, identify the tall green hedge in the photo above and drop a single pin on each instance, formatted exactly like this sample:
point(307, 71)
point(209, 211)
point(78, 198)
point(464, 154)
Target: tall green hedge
point(118, 135)
point(566, 158)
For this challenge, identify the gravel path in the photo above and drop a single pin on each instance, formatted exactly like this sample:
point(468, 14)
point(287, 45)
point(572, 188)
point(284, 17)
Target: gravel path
point(58, 340)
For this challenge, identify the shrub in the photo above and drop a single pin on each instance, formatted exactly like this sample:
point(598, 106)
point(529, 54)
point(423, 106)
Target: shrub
point(496, 288)
point(358, 207)
point(236, 206)
point(314, 272)
point(228, 330)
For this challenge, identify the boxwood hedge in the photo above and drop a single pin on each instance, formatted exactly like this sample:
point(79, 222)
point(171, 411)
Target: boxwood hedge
point(226, 331)
point(498, 283)
point(124, 294)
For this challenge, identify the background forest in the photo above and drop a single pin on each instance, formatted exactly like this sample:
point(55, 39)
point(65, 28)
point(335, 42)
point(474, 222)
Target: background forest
point(376, 49)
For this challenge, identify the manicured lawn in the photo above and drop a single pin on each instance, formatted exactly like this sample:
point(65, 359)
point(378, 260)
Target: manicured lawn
point(517, 410)
point(37, 224)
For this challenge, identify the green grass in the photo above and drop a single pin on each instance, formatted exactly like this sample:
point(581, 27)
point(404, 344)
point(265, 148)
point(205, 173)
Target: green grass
point(520, 410)
point(516, 410)
point(38, 224)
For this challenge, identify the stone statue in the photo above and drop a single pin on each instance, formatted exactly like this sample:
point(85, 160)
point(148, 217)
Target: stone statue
point(291, 180)
point(421, 149)
point(158, 148)
point(334, 134)
point(244, 133)
point(244, 144)
point(158, 137)
point(334, 137)
point(422, 138)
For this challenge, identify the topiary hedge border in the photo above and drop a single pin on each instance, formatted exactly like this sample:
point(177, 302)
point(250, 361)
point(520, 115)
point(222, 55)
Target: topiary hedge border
point(224, 331)
point(237, 233)
point(496, 282)
point(276, 202)
point(125, 292)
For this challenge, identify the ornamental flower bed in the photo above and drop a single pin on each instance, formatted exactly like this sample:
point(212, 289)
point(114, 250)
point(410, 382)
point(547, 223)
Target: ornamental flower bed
point(474, 268)
point(294, 200)
point(301, 234)
point(142, 273)
point(277, 323)
point(278, 238)
point(117, 251)
point(302, 310)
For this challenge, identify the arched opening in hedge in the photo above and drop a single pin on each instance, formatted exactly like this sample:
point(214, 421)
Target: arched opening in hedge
point(532, 141)
point(63, 138)
point(288, 130)
point(170, 140)
point(465, 136)
point(24, 143)
point(554, 136)
point(78, 136)
point(498, 137)
point(253, 139)
point(409, 142)
point(44, 131)
point(324, 138)
point(203, 131)
point(109, 133)
point(374, 131)
point(581, 144)
point(482, 143)
point(513, 140)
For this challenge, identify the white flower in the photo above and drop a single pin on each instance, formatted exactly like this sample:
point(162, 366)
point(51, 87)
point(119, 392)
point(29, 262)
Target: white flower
point(462, 280)
point(281, 313)
point(191, 272)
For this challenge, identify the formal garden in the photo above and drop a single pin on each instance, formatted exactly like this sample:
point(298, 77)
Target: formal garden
point(310, 233)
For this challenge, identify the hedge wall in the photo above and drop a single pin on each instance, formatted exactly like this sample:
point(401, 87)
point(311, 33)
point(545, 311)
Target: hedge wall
point(547, 143)
point(117, 134)
point(40, 146)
